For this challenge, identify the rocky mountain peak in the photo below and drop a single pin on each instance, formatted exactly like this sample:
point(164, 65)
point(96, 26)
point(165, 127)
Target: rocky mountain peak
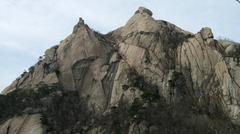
point(147, 77)
point(206, 33)
point(142, 20)
point(144, 11)
point(79, 25)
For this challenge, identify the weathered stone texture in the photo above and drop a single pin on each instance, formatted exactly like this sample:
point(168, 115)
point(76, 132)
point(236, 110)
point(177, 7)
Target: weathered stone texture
point(172, 80)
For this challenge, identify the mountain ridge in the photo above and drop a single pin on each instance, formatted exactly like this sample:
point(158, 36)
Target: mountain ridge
point(147, 77)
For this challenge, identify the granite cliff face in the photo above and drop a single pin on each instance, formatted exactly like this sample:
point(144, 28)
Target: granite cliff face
point(147, 77)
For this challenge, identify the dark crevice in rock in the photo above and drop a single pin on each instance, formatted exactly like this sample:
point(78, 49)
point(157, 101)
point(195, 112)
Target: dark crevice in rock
point(108, 81)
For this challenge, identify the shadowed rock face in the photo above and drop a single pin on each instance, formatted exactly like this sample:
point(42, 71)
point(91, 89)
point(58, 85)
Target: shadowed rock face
point(147, 77)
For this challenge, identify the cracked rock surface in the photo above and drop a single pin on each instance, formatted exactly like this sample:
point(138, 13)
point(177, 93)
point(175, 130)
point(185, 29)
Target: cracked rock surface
point(147, 77)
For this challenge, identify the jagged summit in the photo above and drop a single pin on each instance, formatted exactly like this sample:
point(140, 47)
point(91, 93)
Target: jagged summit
point(147, 77)
point(143, 10)
point(78, 25)
point(81, 21)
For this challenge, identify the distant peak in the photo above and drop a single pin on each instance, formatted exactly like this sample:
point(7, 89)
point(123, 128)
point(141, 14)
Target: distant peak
point(81, 21)
point(79, 24)
point(143, 10)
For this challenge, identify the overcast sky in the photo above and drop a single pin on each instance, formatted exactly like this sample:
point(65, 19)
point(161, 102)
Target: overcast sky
point(28, 27)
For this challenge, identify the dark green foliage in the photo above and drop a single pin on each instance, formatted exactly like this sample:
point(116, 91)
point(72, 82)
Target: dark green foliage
point(125, 87)
point(150, 96)
point(31, 69)
point(150, 93)
point(135, 107)
point(60, 110)
point(23, 74)
point(146, 98)
point(136, 80)
point(15, 102)
point(64, 112)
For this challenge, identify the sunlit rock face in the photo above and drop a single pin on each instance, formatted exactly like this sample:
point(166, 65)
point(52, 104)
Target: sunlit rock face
point(147, 77)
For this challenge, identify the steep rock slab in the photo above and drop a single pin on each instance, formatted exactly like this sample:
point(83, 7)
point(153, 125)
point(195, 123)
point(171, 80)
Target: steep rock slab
point(26, 124)
point(83, 63)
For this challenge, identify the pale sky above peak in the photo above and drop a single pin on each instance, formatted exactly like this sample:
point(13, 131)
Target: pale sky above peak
point(28, 27)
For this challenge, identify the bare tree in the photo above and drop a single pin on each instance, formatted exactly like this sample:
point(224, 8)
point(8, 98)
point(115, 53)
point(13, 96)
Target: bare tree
point(238, 1)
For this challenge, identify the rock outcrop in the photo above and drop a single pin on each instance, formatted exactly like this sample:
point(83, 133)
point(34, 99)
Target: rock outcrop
point(147, 77)
point(25, 124)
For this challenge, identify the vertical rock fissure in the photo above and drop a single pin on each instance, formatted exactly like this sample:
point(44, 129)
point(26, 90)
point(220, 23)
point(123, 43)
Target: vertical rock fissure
point(108, 81)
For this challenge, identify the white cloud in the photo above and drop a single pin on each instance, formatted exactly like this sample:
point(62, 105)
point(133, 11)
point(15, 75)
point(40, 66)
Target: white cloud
point(28, 27)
